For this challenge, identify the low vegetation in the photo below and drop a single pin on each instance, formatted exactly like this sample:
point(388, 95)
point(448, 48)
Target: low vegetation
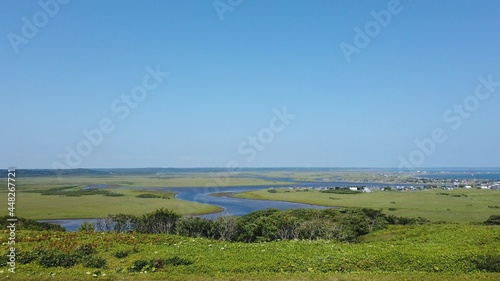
point(261, 226)
point(27, 224)
point(151, 195)
point(377, 236)
point(460, 205)
point(70, 191)
point(341, 191)
point(409, 252)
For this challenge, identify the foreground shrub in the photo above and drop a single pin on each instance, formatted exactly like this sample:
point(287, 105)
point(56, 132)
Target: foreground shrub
point(176, 261)
point(160, 221)
point(120, 223)
point(85, 250)
point(194, 227)
point(493, 220)
point(138, 265)
point(86, 227)
point(121, 254)
point(27, 224)
point(94, 262)
point(27, 257)
point(488, 262)
point(51, 259)
point(155, 264)
point(345, 225)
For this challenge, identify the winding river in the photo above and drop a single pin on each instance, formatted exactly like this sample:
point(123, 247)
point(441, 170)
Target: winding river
point(231, 206)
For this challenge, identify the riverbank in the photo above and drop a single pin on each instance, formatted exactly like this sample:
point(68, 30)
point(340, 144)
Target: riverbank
point(459, 205)
point(143, 193)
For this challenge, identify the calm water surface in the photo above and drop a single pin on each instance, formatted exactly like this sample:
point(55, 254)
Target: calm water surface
point(231, 206)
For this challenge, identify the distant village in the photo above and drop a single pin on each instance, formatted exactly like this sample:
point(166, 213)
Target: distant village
point(454, 183)
point(412, 183)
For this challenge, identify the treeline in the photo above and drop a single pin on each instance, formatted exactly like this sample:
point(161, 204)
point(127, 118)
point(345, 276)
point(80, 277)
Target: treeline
point(69, 191)
point(27, 224)
point(265, 225)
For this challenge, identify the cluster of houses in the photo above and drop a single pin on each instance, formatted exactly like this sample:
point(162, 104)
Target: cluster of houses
point(449, 185)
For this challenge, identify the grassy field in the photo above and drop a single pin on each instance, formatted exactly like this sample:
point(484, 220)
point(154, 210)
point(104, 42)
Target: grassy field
point(174, 180)
point(36, 206)
point(471, 206)
point(426, 252)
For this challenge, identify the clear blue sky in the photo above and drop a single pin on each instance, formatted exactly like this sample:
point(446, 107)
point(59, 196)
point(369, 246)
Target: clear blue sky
point(227, 76)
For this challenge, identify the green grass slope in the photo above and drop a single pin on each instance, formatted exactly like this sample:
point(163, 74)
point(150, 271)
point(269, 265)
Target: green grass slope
point(425, 252)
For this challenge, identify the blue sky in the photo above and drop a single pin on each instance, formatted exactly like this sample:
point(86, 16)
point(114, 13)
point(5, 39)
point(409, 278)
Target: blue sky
point(230, 72)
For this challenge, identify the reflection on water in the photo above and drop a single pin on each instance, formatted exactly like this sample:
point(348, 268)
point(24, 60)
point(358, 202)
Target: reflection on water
point(231, 206)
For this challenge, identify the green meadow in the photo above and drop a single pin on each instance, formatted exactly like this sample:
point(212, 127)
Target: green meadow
point(36, 206)
point(30, 204)
point(461, 249)
point(419, 252)
point(459, 205)
point(163, 180)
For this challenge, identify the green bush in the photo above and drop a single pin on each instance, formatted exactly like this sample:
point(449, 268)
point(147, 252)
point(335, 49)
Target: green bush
point(54, 259)
point(86, 227)
point(493, 220)
point(195, 227)
point(121, 254)
point(27, 224)
point(160, 221)
point(138, 265)
point(488, 262)
point(155, 264)
point(148, 195)
point(176, 261)
point(94, 262)
point(27, 257)
point(86, 249)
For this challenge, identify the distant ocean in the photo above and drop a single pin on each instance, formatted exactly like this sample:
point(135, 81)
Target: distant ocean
point(462, 176)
